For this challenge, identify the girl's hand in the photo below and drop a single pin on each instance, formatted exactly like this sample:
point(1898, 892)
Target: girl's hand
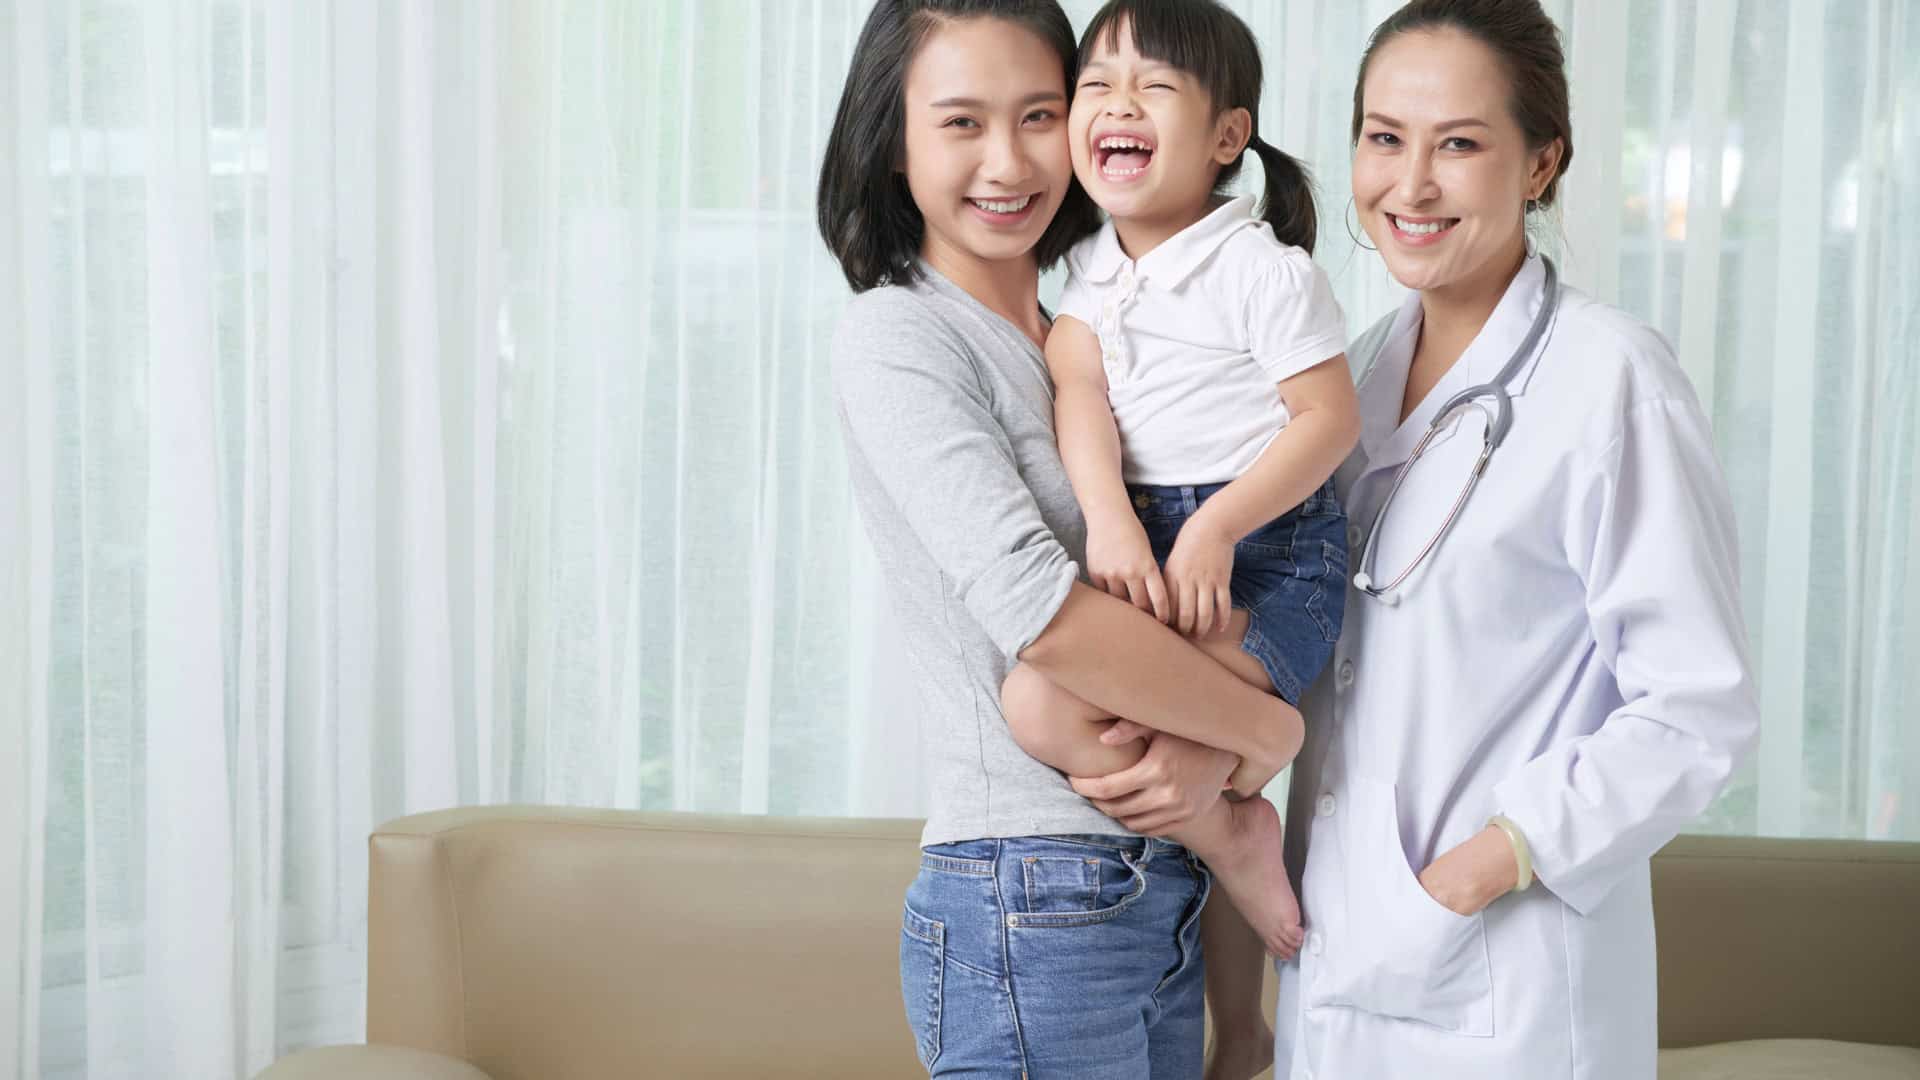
point(1198, 573)
point(1120, 562)
point(1480, 870)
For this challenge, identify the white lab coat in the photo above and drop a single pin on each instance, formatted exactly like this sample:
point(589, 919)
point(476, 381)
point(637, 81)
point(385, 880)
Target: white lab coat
point(1571, 655)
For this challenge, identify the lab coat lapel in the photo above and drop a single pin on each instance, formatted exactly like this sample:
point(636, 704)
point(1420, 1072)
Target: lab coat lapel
point(1387, 442)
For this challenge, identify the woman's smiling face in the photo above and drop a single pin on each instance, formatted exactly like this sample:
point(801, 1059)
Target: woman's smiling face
point(985, 147)
point(1442, 171)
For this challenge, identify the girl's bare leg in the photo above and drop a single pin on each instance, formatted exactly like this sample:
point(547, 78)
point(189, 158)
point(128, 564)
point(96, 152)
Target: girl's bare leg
point(1242, 1043)
point(1059, 729)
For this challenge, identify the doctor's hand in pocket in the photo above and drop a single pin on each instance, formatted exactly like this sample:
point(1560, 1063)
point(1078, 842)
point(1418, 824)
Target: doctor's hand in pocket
point(1120, 563)
point(1473, 874)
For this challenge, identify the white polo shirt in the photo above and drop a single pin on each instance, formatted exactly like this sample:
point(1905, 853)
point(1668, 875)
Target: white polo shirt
point(1195, 336)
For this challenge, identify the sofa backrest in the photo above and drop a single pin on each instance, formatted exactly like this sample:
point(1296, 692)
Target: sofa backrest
point(544, 943)
point(547, 943)
point(1763, 938)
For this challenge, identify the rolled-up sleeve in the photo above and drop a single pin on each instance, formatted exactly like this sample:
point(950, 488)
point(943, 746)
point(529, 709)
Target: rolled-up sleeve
point(920, 425)
point(1653, 536)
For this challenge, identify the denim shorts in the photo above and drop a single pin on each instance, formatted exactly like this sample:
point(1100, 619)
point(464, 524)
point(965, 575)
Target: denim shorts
point(1289, 574)
point(1056, 958)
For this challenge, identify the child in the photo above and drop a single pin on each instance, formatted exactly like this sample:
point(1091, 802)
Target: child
point(1202, 403)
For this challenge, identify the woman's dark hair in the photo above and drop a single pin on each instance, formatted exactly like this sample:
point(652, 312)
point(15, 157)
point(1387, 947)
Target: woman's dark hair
point(866, 212)
point(1211, 44)
point(1522, 35)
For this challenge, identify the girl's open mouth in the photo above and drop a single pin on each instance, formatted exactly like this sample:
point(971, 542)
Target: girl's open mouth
point(1122, 157)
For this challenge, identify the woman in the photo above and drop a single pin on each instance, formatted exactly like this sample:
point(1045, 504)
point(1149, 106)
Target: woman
point(1520, 714)
point(1042, 937)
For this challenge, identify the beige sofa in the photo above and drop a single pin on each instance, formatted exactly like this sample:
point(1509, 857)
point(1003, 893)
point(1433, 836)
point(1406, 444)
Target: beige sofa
point(530, 943)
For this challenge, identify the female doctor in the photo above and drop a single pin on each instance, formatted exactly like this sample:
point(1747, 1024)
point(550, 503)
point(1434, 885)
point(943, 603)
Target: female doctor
point(1531, 698)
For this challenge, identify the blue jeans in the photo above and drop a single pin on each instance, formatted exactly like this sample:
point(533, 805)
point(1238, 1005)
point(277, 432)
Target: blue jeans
point(1289, 575)
point(1056, 957)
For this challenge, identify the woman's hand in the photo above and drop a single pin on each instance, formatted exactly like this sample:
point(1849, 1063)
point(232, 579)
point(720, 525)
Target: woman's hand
point(1198, 573)
point(1120, 562)
point(1175, 782)
point(1467, 878)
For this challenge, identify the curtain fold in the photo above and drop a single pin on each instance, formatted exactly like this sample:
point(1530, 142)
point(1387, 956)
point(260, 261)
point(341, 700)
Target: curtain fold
point(426, 403)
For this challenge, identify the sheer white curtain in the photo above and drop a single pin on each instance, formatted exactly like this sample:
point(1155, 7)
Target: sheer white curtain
point(413, 404)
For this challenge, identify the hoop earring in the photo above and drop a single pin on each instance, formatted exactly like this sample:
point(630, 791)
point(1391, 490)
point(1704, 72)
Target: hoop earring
point(1357, 242)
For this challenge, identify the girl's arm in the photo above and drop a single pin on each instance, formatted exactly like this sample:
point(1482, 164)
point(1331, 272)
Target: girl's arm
point(1322, 431)
point(1119, 559)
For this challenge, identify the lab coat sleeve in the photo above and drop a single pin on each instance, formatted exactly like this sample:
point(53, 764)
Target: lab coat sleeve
point(1651, 531)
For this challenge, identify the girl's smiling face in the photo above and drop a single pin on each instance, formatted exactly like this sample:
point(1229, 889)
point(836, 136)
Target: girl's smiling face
point(1442, 171)
point(985, 142)
point(1146, 142)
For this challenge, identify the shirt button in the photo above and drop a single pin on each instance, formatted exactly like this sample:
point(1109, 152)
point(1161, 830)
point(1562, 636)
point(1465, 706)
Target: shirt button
point(1345, 677)
point(1316, 944)
point(1353, 536)
point(1326, 805)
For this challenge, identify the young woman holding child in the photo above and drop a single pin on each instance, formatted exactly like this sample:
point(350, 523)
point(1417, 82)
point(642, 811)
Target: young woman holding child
point(1043, 935)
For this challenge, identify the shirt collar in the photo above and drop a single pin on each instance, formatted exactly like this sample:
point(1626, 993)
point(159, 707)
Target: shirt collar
point(1179, 255)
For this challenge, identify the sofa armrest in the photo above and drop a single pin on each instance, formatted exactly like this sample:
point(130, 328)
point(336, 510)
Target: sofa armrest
point(370, 1063)
point(1788, 939)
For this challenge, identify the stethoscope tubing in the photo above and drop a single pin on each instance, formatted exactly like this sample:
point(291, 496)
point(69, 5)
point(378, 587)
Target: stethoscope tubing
point(1499, 422)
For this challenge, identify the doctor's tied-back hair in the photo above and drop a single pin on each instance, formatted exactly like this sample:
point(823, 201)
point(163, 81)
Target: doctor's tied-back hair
point(1213, 45)
point(864, 209)
point(1523, 36)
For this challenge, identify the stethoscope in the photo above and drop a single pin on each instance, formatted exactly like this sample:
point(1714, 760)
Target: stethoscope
point(1495, 432)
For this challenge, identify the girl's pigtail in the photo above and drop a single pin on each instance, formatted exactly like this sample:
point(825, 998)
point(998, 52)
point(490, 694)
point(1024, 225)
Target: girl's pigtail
point(1288, 204)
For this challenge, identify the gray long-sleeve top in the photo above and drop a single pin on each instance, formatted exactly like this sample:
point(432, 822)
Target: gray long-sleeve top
point(947, 414)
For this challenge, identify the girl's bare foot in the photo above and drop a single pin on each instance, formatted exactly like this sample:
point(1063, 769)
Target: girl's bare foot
point(1239, 1055)
point(1251, 868)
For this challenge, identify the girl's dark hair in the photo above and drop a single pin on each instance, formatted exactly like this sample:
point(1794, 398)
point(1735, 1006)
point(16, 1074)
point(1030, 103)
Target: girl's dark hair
point(1213, 45)
point(866, 212)
point(1522, 35)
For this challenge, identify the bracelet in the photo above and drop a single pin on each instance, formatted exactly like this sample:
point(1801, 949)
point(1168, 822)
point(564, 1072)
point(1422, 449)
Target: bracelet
point(1521, 855)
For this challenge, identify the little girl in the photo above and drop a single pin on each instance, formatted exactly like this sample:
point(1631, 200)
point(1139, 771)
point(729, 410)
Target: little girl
point(1202, 402)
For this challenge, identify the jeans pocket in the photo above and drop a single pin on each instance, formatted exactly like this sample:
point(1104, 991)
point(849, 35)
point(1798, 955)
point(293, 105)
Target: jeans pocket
point(922, 969)
point(1061, 882)
point(1117, 882)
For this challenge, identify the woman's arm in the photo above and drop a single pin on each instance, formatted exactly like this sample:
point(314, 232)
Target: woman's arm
point(1110, 653)
point(1652, 537)
point(919, 420)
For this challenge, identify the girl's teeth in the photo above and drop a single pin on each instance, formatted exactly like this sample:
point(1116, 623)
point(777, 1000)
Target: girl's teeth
point(1012, 206)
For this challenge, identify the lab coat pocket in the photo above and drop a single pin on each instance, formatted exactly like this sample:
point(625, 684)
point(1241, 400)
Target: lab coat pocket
point(1399, 952)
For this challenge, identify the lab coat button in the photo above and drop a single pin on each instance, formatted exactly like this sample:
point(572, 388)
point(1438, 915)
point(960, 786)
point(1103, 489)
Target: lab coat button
point(1346, 674)
point(1326, 805)
point(1316, 944)
point(1353, 536)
